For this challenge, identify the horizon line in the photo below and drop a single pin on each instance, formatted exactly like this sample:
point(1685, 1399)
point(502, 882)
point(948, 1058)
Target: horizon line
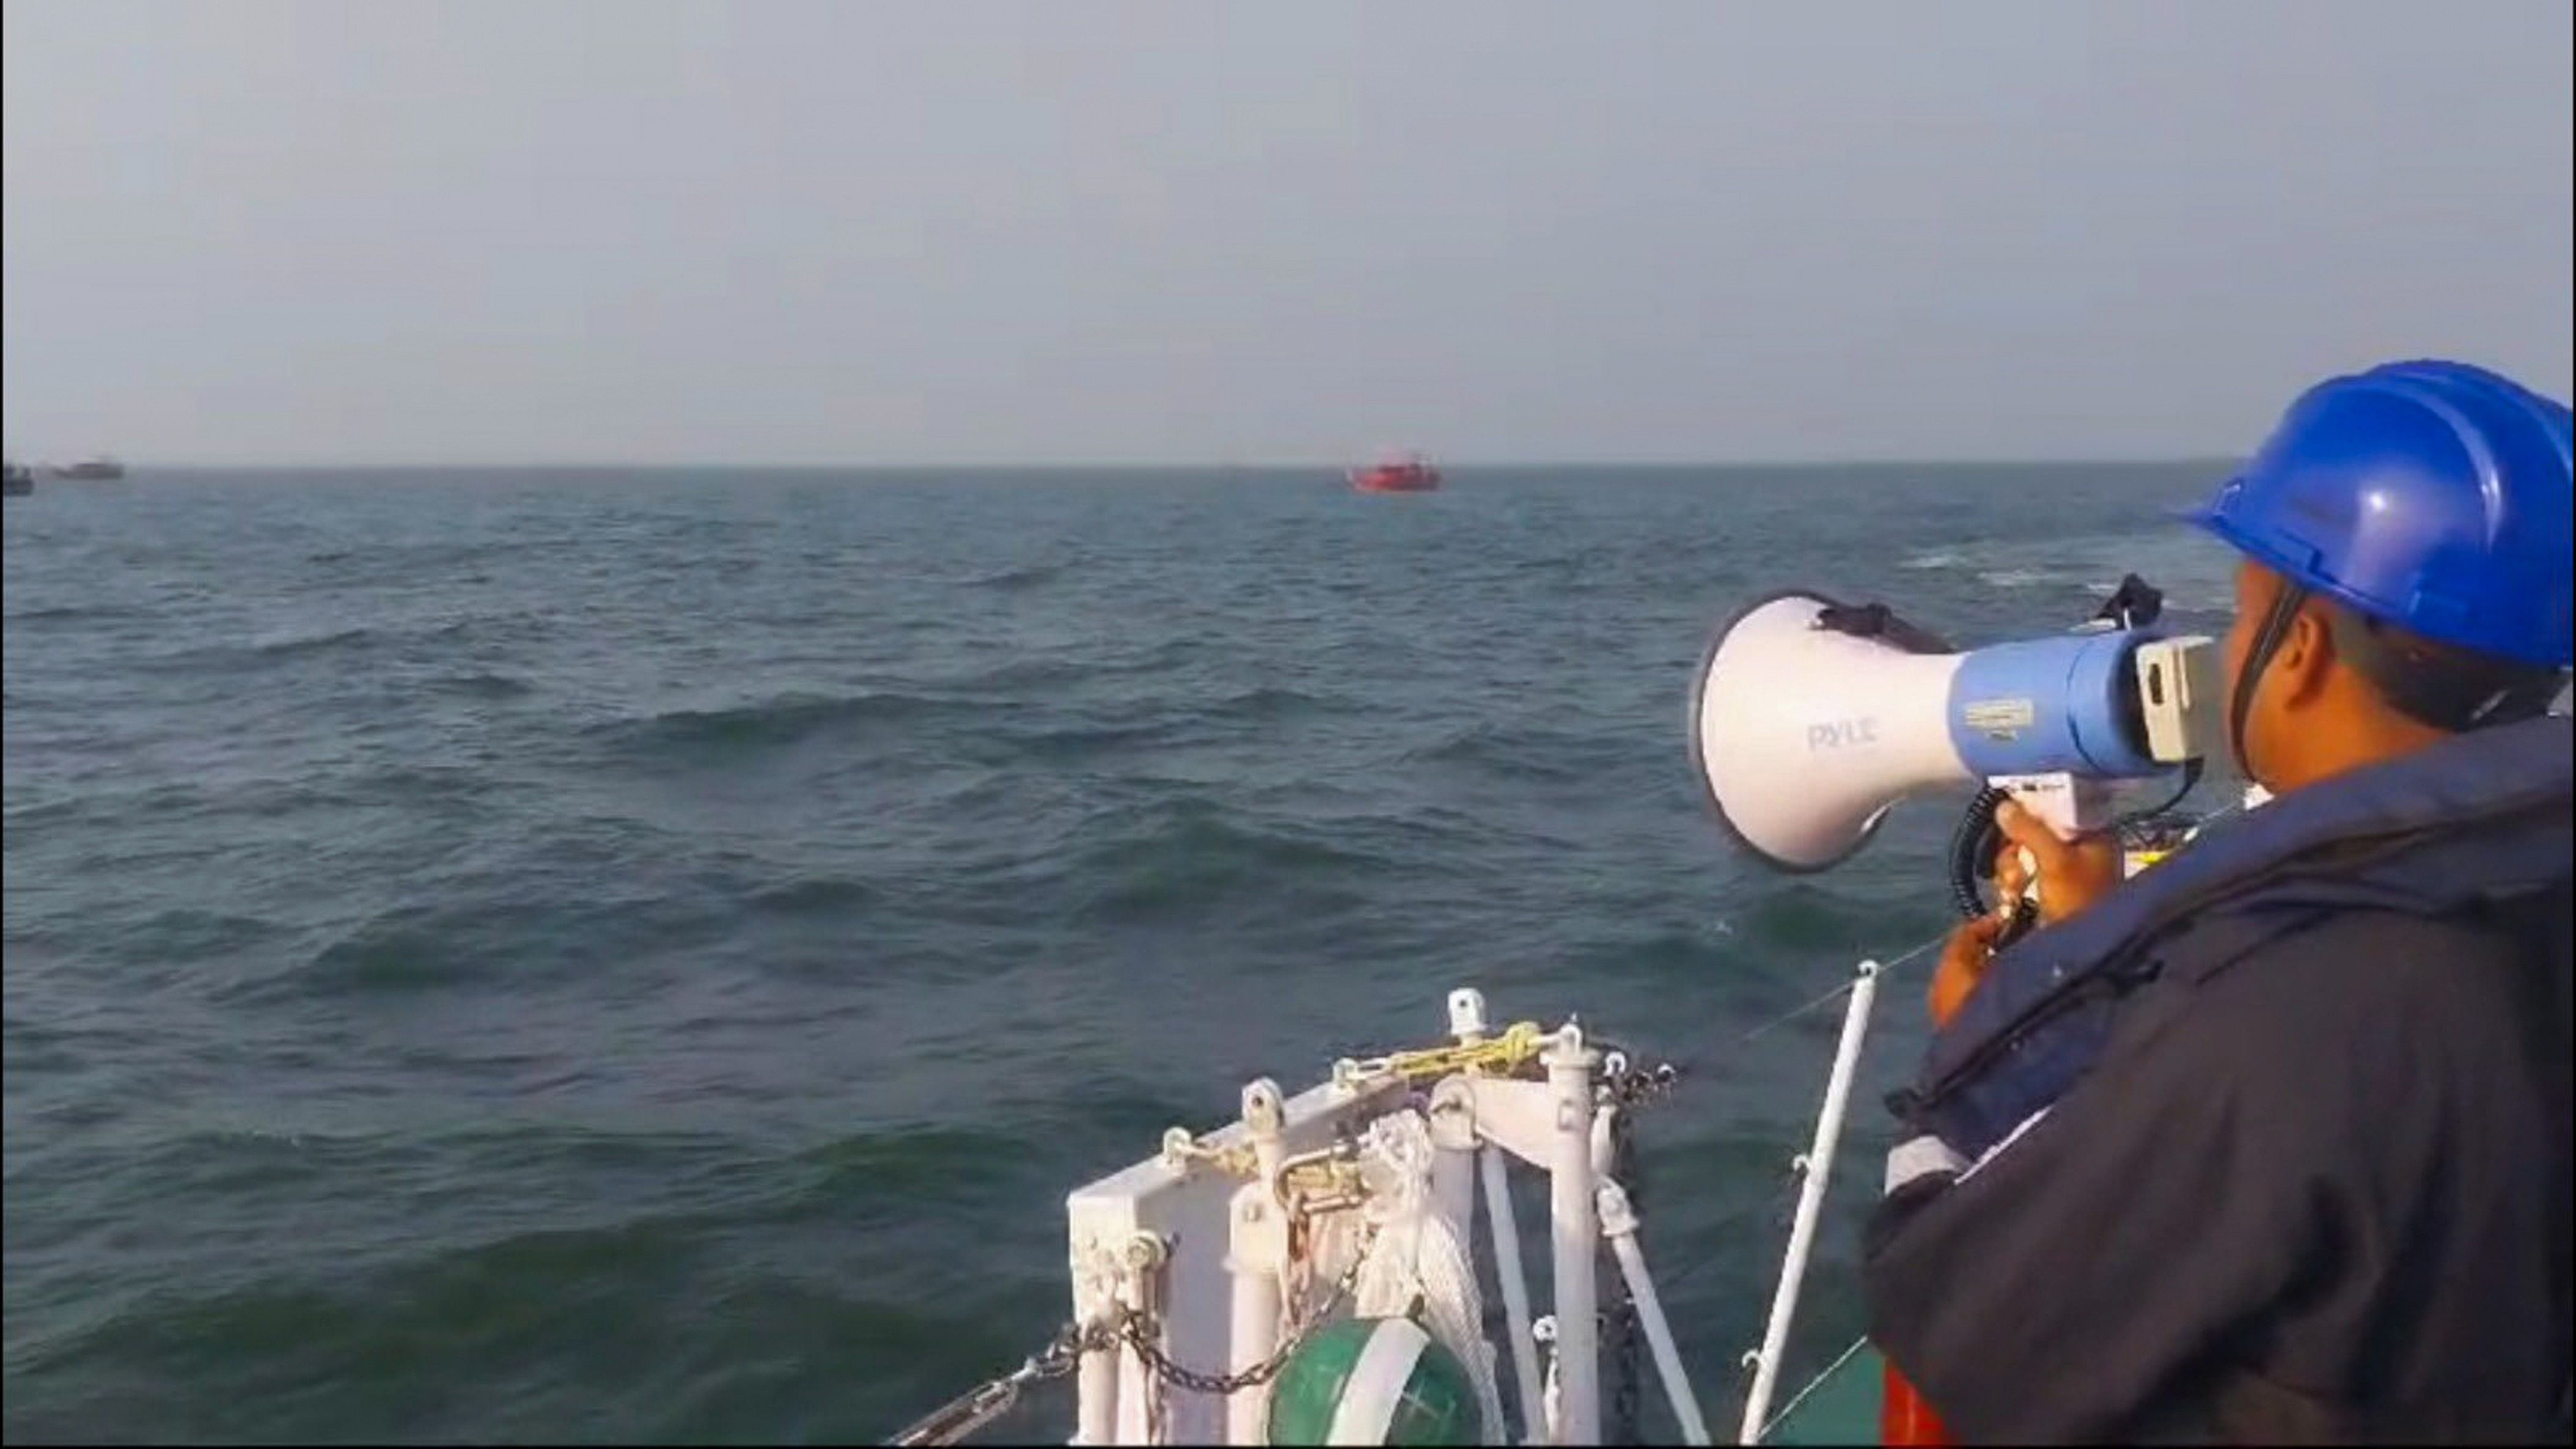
point(1192, 466)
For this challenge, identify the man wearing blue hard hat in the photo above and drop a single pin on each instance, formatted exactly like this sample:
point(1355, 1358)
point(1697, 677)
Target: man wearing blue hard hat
point(2271, 1144)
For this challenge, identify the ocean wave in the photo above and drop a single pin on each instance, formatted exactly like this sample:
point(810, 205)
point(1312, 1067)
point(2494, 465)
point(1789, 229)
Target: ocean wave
point(1066, 743)
point(2032, 578)
point(416, 949)
point(523, 1289)
point(1516, 753)
point(78, 614)
point(165, 803)
point(515, 626)
point(412, 948)
point(407, 785)
point(1024, 675)
point(1020, 678)
point(1018, 578)
point(1267, 703)
point(1665, 953)
point(550, 1324)
point(188, 932)
point(816, 896)
point(704, 736)
point(264, 651)
point(1189, 858)
point(916, 1162)
point(482, 684)
point(1802, 917)
point(295, 644)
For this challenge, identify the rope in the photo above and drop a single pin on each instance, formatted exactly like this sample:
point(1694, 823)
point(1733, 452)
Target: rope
point(1417, 1258)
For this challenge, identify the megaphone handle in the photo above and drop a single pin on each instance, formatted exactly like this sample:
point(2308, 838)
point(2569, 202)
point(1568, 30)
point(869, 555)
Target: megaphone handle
point(2069, 804)
point(2018, 916)
point(2028, 899)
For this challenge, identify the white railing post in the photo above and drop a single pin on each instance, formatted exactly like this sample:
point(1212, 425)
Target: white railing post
point(1453, 1156)
point(1257, 1257)
point(1815, 1169)
point(1095, 1304)
point(1140, 1399)
point(1516, 1299)
point(1619, 1223)
point(1258, 1250)
point(1576, 1232)
point(1096, 1398)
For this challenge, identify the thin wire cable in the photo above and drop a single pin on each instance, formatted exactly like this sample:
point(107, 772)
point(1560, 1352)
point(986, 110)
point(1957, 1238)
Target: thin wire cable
point(1890, 967)
point(1814, 1383)
point(1841, 991)
point(1775, 1208)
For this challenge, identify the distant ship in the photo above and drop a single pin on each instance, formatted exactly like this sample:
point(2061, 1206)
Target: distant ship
point(90, 470)
point(17, 482)
point(1410, 473)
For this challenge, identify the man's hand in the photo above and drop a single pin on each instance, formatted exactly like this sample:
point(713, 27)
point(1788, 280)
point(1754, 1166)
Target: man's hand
point(2073, 874)
point(1964, 959)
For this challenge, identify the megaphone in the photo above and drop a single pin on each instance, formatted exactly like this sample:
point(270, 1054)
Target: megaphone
point(1811, 720)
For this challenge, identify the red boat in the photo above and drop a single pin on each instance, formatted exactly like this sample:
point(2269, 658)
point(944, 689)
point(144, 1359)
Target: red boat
point(1411, 473)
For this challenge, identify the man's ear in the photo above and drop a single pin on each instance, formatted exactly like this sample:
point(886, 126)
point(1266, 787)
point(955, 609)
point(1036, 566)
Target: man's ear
point(2305, 659)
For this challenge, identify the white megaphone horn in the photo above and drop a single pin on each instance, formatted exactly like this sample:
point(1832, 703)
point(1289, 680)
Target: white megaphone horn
point(1811, 719)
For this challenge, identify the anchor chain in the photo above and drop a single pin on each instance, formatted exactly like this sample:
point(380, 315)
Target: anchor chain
point(1621, 1331)
point(1627, 1085)
point(951, 1422)
point(1135, 1331)
point(1632, 1085)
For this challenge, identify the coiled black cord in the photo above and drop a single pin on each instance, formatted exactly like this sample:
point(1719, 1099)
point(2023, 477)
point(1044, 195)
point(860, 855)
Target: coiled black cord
point(1974, 844)
point(1972, 851)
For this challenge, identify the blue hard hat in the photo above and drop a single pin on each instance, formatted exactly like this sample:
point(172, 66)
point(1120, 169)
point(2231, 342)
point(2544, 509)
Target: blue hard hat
point(2435, 496)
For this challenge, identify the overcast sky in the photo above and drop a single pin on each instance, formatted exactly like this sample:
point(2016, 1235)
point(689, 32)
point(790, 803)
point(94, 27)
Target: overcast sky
point(1260, 230)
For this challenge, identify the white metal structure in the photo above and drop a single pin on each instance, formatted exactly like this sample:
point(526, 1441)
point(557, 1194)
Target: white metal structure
point(1197, 1271)
point(1205, 1251)
point(1815, 1172)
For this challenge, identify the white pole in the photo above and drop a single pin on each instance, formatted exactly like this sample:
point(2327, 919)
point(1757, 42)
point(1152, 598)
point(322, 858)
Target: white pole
point(1254, 1332)
point(1620, 1222)
point(1096, 1394)
point(1453, 1188)
point(1814, 1169)
point(1257, 1256)
point(1516, 1299)
point(1140, 1404)
point(1576, 1233)
point(1551, 1400)
point(1135, 1400)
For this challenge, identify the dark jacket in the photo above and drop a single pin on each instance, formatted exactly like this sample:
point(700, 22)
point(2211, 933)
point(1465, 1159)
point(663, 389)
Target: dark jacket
point(2296, 1164)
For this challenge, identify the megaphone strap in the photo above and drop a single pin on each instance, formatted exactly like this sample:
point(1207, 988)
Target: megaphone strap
point(2133, 605)
point(1878, 621)
point(2267, 642)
